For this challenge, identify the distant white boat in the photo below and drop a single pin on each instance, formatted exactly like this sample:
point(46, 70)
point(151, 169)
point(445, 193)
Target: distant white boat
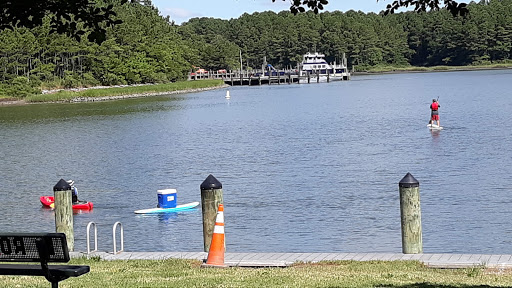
point(314, 68)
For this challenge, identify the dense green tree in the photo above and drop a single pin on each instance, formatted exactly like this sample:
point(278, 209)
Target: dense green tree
point(149, 48)
point(73, 18)
point(419, 6)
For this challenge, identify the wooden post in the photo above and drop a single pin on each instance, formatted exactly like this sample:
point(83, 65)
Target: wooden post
point(309, 77)
point(211, 197)
point(278, 77)
point(64, 211)
point(317, 76)
point(410, 213)
point(231, 76)
point(328, 77)
point(259, 80)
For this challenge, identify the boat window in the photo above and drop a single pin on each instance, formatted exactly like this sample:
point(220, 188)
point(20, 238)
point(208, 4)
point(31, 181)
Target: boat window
point(314, 66)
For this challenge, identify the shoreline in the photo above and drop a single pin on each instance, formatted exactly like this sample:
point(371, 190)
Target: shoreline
point(452, 69)
point(10, 102)
point(16, 102)
point(141, 95)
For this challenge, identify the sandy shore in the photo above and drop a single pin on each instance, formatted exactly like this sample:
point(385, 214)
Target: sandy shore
point(14, 102)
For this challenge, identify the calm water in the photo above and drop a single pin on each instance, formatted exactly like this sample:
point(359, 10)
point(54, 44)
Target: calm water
point(304, 168)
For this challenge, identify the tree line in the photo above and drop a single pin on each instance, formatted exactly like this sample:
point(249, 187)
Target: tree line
point(434, 38)
point(149, 48)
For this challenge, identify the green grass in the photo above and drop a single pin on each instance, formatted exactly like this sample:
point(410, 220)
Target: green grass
point(383, 69)
point(187, 273)
point(120, 91)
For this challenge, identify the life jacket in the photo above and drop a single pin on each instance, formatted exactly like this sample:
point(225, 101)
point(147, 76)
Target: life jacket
point(435, 106)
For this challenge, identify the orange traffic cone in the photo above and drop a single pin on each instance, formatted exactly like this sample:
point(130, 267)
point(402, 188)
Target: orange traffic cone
point(216, 253)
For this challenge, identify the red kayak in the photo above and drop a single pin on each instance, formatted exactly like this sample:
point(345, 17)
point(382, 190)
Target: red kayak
point(48, 201)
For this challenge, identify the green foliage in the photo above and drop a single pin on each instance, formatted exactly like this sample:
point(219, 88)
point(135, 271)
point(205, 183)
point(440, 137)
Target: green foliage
point(19, 87)
point(73, 18)
point(67, 95)
point(298, 6)
point(148, 48)
point(419, 39)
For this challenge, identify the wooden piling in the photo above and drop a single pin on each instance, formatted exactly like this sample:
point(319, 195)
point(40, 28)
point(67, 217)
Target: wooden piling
point(211, 197)
point(410, 213)
point(64, 211)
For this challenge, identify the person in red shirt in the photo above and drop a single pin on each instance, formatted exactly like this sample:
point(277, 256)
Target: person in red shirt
point(434, 114)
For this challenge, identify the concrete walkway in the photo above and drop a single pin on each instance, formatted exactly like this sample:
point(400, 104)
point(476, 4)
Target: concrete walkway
point(286, 259)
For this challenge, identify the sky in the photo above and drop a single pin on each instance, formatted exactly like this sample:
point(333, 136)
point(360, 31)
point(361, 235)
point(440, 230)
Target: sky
point(182, 10)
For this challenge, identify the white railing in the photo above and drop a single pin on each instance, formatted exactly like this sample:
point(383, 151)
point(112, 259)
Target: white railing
point(89, 238)
point(114, 237)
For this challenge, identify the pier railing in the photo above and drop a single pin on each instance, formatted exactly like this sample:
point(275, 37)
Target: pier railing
point(260, 77)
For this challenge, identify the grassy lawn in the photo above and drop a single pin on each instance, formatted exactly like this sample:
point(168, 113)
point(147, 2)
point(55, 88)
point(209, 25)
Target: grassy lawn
point(188, 273)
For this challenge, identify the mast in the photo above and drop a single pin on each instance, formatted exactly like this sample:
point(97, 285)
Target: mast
point(240, 61)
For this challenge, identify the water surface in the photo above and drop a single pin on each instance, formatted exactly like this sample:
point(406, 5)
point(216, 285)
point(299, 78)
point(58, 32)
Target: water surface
point(304, 168)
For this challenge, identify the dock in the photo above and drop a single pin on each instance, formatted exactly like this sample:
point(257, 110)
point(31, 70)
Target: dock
point(260, 77)
point(448, 261)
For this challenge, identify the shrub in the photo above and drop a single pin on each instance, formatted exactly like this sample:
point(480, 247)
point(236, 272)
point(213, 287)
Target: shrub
point(20, 87)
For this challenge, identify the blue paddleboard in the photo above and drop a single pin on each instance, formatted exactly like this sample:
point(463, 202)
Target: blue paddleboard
point(168, 210)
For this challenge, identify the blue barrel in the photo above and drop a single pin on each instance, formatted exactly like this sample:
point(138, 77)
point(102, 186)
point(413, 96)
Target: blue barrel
point(167, 198)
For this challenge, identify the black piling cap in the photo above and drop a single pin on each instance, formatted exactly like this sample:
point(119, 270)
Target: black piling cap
point(62, 185)
point(211, 183)
point(408, 181)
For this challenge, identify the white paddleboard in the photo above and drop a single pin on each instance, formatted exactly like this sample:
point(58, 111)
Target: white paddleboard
point(168, 210)
point(434, 127)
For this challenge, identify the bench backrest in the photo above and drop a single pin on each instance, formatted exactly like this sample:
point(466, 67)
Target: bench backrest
point(33, 247)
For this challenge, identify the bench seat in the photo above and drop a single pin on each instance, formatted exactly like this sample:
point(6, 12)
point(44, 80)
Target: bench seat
point(41, 248)
point(35, 270)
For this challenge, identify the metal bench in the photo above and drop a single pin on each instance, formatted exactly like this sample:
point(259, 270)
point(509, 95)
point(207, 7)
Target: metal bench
point(38, 247)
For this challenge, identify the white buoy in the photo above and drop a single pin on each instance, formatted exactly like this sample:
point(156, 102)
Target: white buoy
point(227, 95)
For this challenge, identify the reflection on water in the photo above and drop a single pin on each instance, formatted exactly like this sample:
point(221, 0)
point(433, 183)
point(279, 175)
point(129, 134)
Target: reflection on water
point(165, 217)
point(435, 133)
point(304, 168)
